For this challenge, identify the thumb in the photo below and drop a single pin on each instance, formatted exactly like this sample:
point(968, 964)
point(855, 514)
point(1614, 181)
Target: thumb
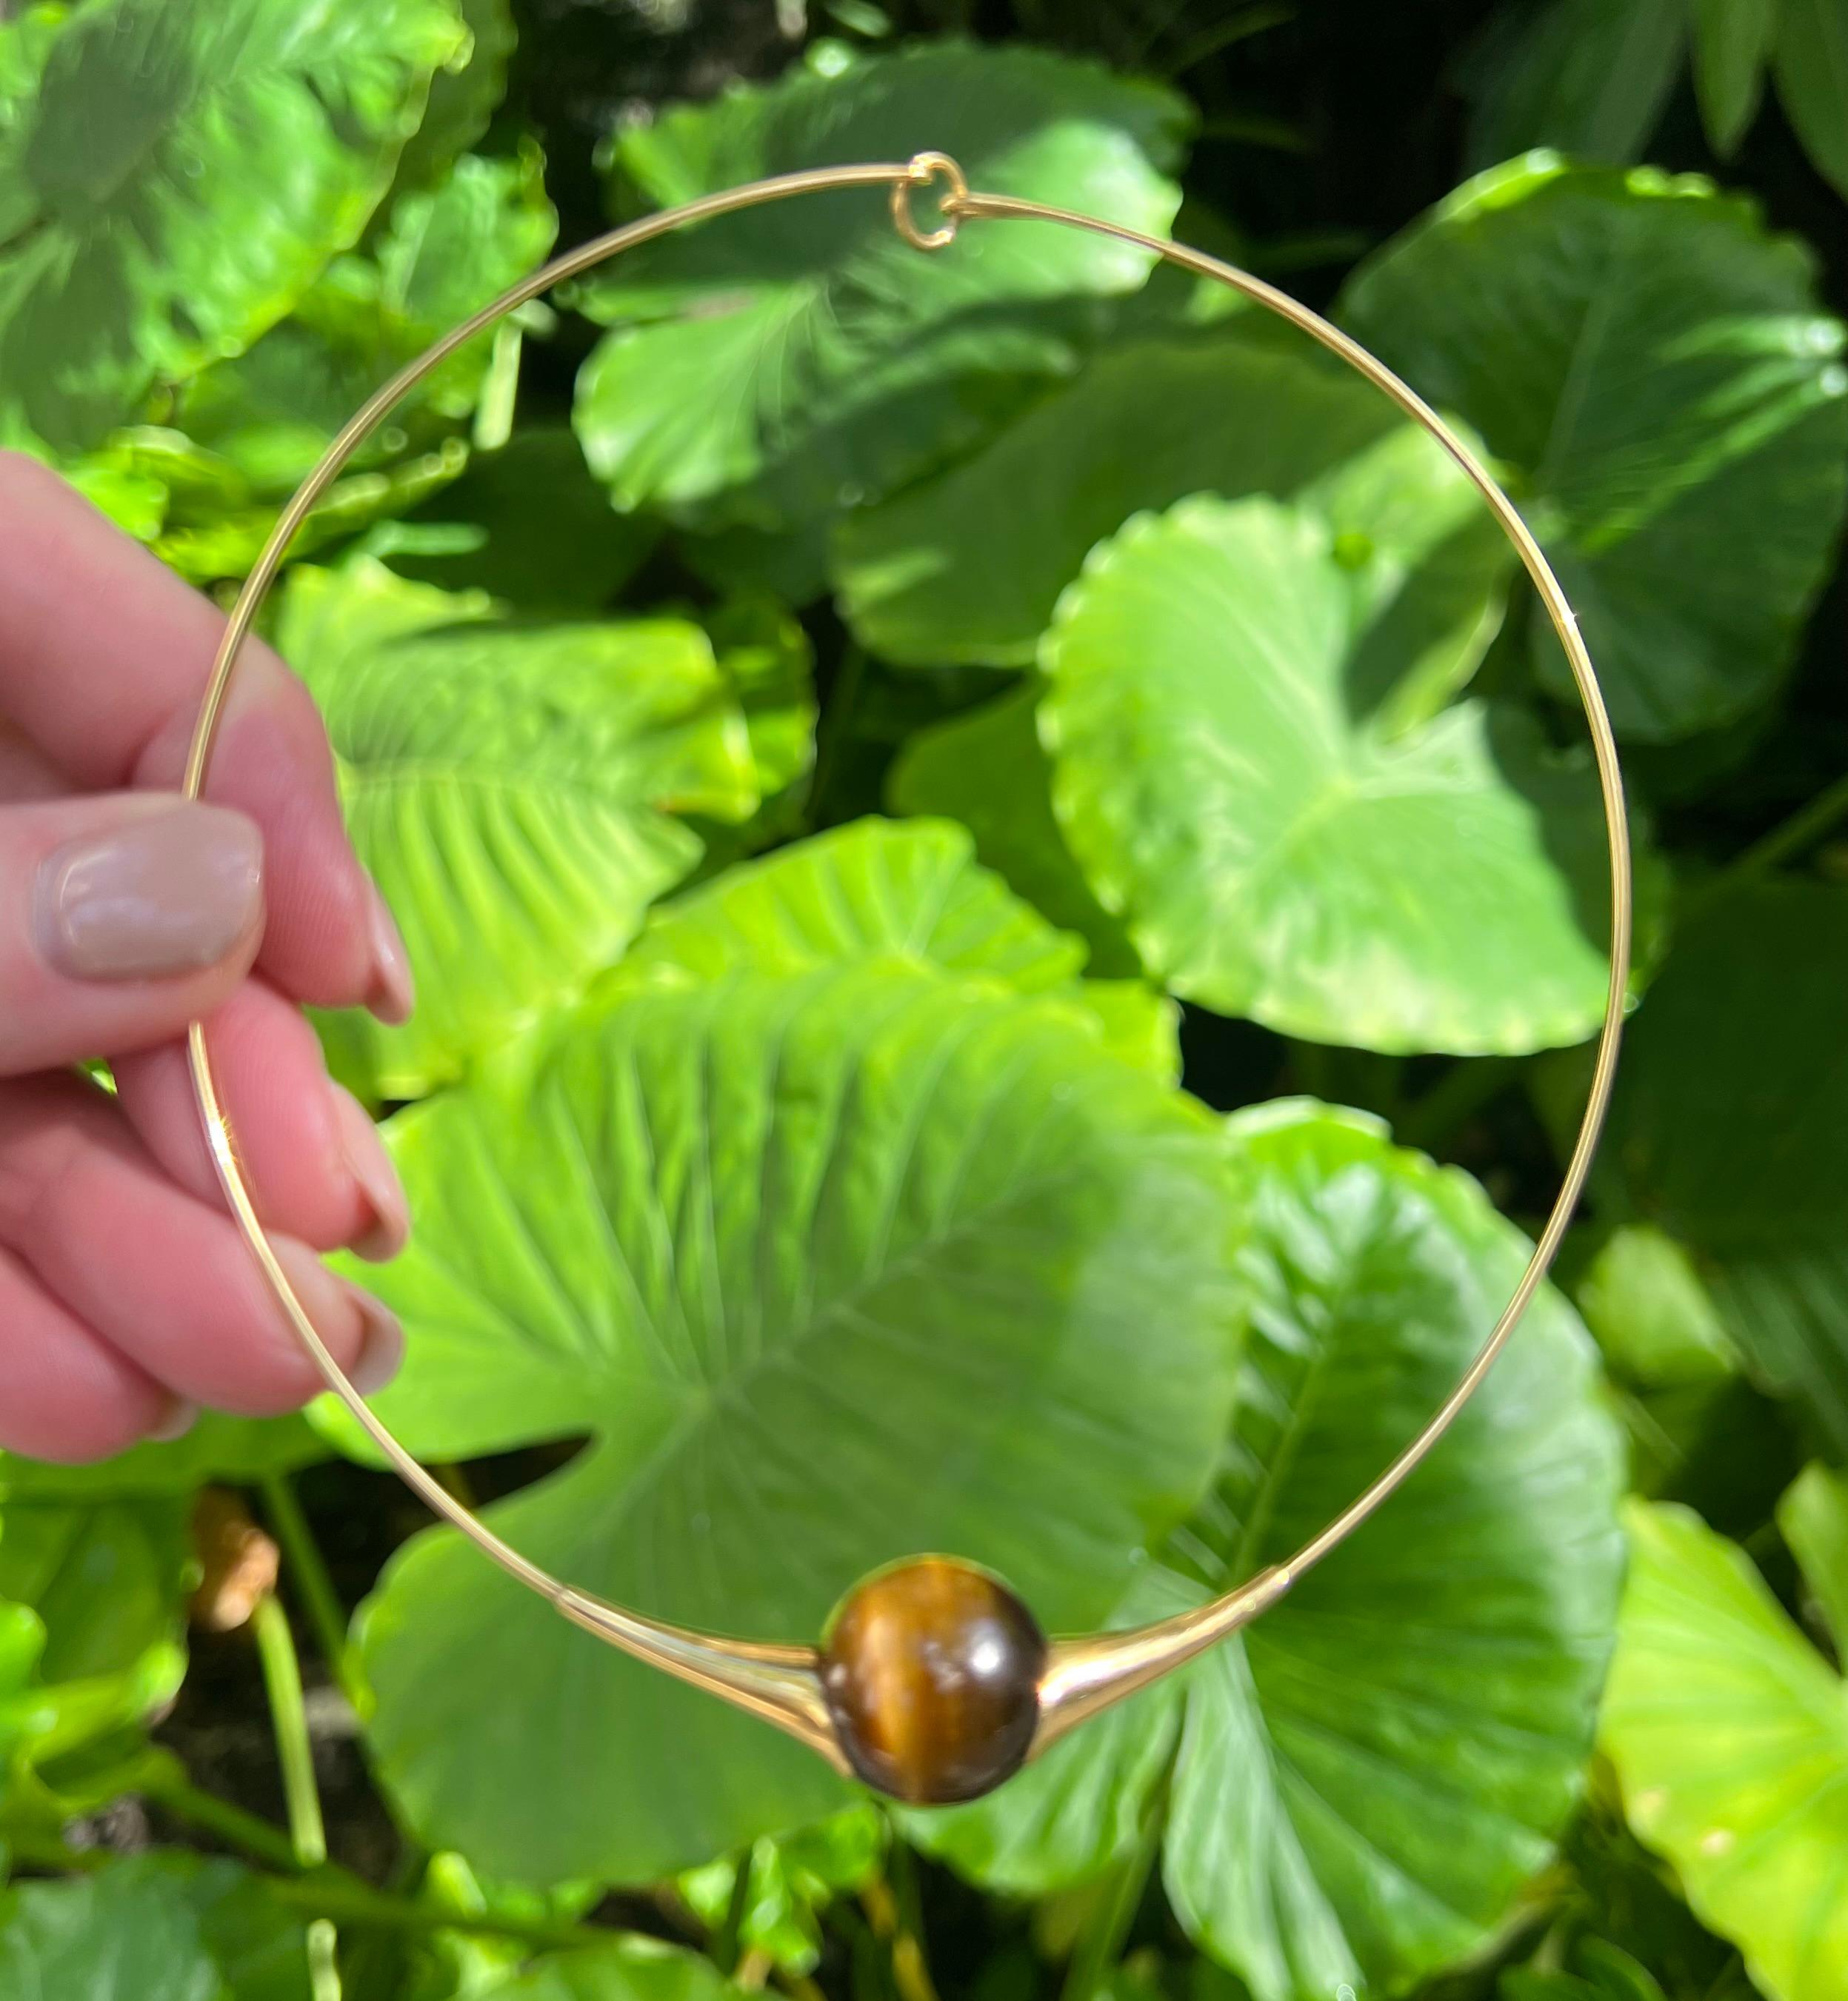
point(123, 916)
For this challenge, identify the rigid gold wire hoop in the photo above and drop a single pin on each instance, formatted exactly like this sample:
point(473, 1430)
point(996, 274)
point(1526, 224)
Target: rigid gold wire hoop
point(781, 1683)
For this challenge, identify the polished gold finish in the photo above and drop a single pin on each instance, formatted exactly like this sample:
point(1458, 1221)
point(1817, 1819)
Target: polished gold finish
point(931, 1670)
point(855, 1720)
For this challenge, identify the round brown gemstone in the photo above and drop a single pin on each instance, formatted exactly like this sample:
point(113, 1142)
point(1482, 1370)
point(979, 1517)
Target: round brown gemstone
point(931, 1669)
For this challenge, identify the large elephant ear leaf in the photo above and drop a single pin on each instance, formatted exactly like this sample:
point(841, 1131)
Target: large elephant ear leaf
point(514, 788)
point(1359, 1786)
point(1275, 854)
point(1656, 369)
point(1729, 1129)
point(1729, 1732)
point(873, 889)
point(955, 569)
point(778, 365)
point(153, 136)
point(832, 1269)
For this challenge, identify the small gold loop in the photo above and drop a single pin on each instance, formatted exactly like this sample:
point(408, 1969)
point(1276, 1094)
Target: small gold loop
point(924, 169)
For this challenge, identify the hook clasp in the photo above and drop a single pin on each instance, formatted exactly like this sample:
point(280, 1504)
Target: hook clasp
point(924, 169)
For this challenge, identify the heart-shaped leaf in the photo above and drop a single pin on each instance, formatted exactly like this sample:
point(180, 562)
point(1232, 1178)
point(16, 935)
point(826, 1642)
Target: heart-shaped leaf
point(781, 364)
point(1272, 855)
point(510, 787)
point(873, 889)
point(144, 138)
point(1358, 1787)
point(1729, 1130)
point(833, 1269)
point(987, 769)
point(957, 569)
point(1655, 368)
point(1730, 1734)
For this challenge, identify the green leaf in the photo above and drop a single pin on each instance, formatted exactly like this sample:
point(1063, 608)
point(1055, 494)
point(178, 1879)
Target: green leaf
point(1655, 368)
point(1812, 1517)
point(778, 364)
point(91, 1603)
point(216, 546)
point(527, 523)
point(1729, 1129)
point(1360, 1784)
point(1730, 1734)
point(791, 1882)
point(1650, 1313)
point(630, 1969)
point(1732, 41)
point(1275, 856)
point(832, 1269)
point(1590, 77)
point(987, 769)
point(519, 826)
point(870, 890)
point(1811, 63)
point(155, 135)
point(765, 655)
point(874, 889)
point(957, 569)
point(463, 94)
point(240, 1450)
point(108, 1579)
point(151, 1928)
point(256, 425)
point(273, 412)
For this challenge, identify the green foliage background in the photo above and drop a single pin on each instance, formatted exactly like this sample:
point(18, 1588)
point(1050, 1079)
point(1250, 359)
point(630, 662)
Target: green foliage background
point(1009, 905)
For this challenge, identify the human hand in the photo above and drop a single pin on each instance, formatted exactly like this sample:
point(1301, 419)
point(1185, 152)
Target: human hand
point(127, 1297)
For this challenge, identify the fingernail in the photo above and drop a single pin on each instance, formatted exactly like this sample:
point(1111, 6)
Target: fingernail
point(370, 1166)
point(394, 992)
point(382, 1346)
point(169, 894)
point(181, 1415)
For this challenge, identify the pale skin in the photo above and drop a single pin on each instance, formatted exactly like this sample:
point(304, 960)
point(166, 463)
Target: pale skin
point(127, 1299)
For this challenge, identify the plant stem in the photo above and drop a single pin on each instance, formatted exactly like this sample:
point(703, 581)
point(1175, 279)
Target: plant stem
point(307, 1832)
point(308, 1579)
point(1470, 1083)
point(335, 1896)
point(331, 1893)
point(282, 1680)
point(254, 1836)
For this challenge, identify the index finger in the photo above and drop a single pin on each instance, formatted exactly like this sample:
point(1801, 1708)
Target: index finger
point(104, 657)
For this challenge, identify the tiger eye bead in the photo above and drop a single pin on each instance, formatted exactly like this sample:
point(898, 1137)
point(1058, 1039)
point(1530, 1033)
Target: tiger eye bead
point(931, 1671)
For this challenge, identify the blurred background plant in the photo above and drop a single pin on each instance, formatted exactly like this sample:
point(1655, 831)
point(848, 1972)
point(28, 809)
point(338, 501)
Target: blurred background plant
point(1008, 898)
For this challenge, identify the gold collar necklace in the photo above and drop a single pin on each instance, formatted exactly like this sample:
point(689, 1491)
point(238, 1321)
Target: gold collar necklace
point(933, 1683)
